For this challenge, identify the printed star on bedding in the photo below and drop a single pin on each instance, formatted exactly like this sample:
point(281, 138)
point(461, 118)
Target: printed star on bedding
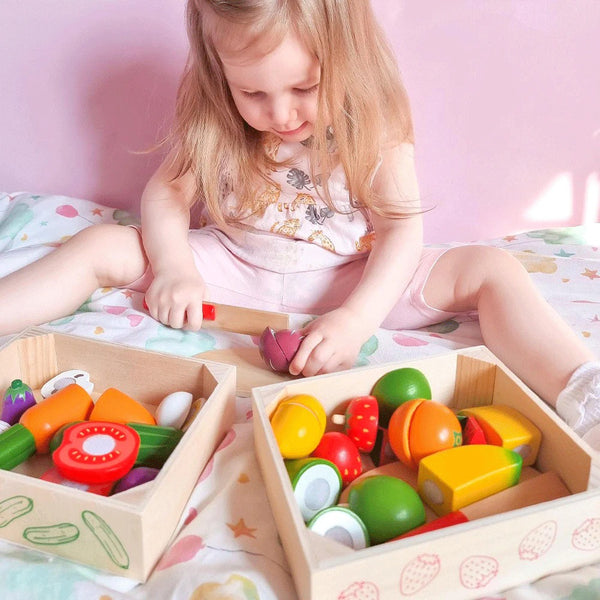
point(97, 212)
point(592, 274)
point(240, 528)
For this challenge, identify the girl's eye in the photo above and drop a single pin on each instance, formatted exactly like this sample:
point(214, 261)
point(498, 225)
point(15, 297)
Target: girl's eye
point(252, 94)
point(309, 90)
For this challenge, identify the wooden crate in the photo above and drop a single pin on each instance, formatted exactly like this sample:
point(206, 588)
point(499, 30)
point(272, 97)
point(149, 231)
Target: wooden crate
point(465, 561)
point(125, 534)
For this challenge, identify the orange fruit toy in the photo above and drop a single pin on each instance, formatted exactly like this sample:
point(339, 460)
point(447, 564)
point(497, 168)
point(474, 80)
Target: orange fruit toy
point(421, 427)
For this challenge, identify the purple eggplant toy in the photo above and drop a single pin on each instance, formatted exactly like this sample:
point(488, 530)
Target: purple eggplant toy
point(17, 399)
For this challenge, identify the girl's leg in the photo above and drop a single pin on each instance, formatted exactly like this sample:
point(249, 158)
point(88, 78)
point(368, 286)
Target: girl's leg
point(57, 284)
point(517, 324)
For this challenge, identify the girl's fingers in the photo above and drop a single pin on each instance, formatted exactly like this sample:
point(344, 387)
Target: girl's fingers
point(193, 317)
point(309, 343)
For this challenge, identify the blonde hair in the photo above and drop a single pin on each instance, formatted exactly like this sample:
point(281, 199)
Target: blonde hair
point(360, 96)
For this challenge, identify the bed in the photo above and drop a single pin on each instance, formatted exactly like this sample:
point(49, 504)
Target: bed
point(226, 546)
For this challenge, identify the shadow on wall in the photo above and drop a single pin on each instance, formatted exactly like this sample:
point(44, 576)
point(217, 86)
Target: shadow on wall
point(126, 108)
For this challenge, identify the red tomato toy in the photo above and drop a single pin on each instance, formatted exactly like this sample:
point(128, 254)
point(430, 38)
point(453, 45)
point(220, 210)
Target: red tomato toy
point(421, 427)
point(96, 452)
point(338, 448)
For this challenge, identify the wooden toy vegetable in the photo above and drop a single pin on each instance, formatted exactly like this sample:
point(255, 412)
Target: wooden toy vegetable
point(174, 409)
point(316, 482)
point(137, 476)
point(96, 452)
point(17, 444)
point(339, 449)
point(507, 427)
point(342, 525)
point(360, 421)
point(16, 400)
point(156, 444)
point(298, 423)
point(387, 506)
point(396, 387)
point(100, 489)
point(278, 348)
point(420, 427)
point(72, 403)
point(117, 407)
point(64, 379)
point(453, 478)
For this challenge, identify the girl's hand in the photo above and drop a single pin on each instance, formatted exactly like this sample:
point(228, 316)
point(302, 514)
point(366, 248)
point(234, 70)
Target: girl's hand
point(331, 343)
point(175, 299)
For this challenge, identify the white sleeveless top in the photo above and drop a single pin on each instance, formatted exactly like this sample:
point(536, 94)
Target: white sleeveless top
point(289, 228)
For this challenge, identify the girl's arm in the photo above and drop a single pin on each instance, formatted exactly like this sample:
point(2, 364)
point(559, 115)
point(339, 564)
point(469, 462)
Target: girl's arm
point(333, 340)
point(175, 295)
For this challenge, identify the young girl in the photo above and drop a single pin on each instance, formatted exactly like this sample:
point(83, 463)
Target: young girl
point(293, 135)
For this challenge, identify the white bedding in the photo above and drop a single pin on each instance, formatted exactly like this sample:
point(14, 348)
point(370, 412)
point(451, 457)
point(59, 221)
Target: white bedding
point(227, 545)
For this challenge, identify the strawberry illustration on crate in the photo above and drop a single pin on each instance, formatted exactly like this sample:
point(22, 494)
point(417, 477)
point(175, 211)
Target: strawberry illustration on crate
point(587, 535)
point(360, 590)
point(477, 571)
point(419, 573)
point(538, 541)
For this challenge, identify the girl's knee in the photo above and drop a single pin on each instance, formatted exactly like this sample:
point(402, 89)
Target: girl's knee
point(115, 253)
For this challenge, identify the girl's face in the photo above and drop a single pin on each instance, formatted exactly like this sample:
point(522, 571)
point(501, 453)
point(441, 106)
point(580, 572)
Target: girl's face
point(277, 92)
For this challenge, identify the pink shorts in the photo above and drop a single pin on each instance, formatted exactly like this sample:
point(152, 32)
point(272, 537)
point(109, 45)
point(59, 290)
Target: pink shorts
point(230, 280)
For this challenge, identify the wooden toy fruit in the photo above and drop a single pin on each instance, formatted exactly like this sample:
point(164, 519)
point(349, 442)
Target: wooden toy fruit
point(396, 387)
point(342, 525)
point(96, 452)
point(457, 477)
point(339, 449)
point(298, 423)
point(420, 427)
point(507, 427)
point(278, 348)
point(387, 506)
point(316, 483)
point(361, 421)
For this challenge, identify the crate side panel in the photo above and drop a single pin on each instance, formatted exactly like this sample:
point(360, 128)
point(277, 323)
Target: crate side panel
point(76, 525)
point(179, 475)
point(286, 514)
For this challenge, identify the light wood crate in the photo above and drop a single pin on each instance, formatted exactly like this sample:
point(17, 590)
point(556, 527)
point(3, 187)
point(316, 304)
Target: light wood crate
point(144, 518)
point(465, 561)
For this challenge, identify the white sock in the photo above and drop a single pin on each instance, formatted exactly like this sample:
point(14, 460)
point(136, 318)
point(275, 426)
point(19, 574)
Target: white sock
point(579, 403)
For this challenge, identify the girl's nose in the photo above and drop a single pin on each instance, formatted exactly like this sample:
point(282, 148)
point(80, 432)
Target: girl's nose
point(283, 112)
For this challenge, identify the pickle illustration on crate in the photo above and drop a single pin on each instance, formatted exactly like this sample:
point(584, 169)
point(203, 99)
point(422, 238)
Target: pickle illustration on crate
point(52, 535)
point(14, 507)
point(107, 538)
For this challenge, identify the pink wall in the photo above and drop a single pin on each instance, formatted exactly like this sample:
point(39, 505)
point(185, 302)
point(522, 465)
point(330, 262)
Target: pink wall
point(505, 93)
